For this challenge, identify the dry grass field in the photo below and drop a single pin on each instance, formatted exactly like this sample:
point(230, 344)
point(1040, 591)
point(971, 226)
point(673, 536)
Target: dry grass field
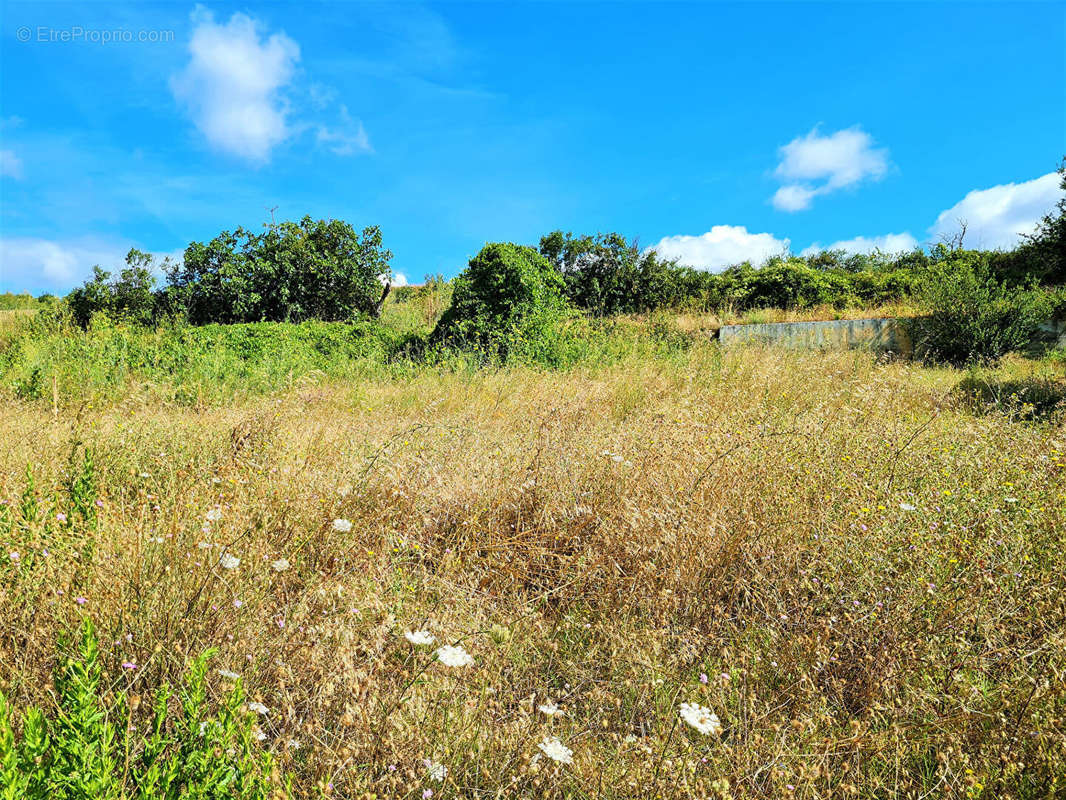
point(859, 572)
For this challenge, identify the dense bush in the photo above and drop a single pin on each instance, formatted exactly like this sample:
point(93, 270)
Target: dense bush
point(25, 300)
point(972, 316)
point(91, 749)
point(508, 297)
point(607, 274)
point(130, 295)
point(292, 272)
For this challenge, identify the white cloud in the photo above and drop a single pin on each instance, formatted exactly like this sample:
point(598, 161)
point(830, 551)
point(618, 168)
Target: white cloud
point(399, 279)
point(10, 165)
point(232, 84)
point(721, 247)
point(995, 217)
point(889, 243)
point(351, 138)
point(34, 264)
point(829, 162)
point(793, 197)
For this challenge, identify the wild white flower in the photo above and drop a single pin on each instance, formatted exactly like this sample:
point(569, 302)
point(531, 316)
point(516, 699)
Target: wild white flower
point(344, 489)
point(213, 514)
point(435, 770)
point(229, 674)
point(294, 744)
point(229, 561)
point(454, 656)
point(204, 545)
point(14, 556)
point(258, 733)
point(155, 539)
point(280, 565)
point(342, 525)
point(551, 710)
point(1010, 499)
point(908, 507)
point(630, 738)
point(258, 708)
point(419, 638)
point(701, 718)
point(556, 750)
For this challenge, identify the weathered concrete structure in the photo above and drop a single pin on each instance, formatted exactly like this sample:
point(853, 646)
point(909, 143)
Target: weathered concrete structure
point(879, 335)
point(1055, 331)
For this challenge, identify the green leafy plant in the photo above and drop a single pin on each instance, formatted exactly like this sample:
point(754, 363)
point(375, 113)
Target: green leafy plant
point(507, 300)
point(130, 295)
point(94, 748)
point(974, 318)
point(294, 271)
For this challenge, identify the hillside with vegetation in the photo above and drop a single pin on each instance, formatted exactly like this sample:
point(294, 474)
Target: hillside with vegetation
point(271, 529)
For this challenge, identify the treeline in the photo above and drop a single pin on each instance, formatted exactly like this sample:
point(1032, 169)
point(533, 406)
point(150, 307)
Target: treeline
point(292, 272)
point(606, 274)
point(325, 270)
point(25, 301)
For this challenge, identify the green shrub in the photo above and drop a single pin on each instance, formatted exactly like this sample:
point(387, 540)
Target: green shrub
point(973, 318)
point(506, 301)
point(23, 301)
point(130, 295)
point(95, 748)
point(313, 269)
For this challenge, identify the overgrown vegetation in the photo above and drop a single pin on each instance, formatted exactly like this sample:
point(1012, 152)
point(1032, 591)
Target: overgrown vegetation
point(429, 566)
point(93, 749)
point(292, 272)
point(25, 301)
point(858, 575)
point(508, 299)
point(973, 317)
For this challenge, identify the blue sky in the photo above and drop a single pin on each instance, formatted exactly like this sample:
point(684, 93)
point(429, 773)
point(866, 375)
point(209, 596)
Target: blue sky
point(715, 132)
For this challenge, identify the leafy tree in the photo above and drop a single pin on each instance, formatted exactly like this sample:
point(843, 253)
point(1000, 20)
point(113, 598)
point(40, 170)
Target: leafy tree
point(313, 269)
point(1046, 248)
point(608, 274)
point(507, 296)
point(129, 296)
point(600, 272)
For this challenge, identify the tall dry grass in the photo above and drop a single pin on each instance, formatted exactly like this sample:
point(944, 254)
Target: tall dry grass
point(859, 575)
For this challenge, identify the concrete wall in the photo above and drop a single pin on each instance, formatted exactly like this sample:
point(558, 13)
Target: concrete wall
point(879, 335)
point(1055, 331)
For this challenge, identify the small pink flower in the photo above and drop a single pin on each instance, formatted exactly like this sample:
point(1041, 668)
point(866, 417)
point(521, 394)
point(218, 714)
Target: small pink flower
point(128, 665)
point(99, 503)
point(428, 793)
point(61, 517)
point(703, 677)
point(80, 601)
